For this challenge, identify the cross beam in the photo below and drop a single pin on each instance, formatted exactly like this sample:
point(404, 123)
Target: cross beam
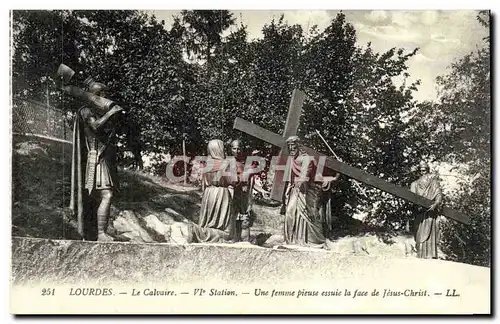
point(349, 171)
point(291, 126)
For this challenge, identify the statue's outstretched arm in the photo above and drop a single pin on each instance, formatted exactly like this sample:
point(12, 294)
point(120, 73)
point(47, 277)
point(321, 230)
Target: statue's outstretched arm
point(97, 123)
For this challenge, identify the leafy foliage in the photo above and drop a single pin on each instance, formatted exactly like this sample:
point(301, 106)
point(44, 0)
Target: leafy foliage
point(380, 129)
point(465, 116)
point(128, 50)
point(203, 29)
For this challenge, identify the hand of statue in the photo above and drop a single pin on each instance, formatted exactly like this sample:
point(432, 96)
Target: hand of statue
point(328, 182)
point(433, 207)
point(326, 185)
point(115, 109)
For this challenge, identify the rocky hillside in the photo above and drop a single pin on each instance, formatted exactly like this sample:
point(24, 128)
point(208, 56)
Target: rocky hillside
point(41, 184)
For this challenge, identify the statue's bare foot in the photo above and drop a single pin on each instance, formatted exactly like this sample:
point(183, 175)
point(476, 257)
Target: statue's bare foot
point(328, 245)
point(103, 237)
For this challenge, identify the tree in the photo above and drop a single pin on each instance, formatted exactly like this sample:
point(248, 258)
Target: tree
point(253, 80)
point(464, 120)
point(379, 130)
point(353, 99)
point(41, 41)
point(130, 51)
point(203, 31)
point(275, 66)
point(327, 78)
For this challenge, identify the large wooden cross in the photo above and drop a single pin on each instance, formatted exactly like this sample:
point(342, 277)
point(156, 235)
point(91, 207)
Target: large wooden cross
point(291, 126)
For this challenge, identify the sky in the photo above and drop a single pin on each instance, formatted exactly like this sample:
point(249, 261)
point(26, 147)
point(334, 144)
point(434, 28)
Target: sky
point(441, 36)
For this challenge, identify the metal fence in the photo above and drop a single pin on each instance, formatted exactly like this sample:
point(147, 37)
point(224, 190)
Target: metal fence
point(32, 118)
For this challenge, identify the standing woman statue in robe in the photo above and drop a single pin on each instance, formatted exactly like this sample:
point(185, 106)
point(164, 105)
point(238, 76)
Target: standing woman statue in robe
point(426, 222)
point(217, 198)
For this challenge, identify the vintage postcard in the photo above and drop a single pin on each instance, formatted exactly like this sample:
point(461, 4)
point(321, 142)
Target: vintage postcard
point(250, 162)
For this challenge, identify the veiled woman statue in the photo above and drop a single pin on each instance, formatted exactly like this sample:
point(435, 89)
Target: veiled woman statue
point(216, 202)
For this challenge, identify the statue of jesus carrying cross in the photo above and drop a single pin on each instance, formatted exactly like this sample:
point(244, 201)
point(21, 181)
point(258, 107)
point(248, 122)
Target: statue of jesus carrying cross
point(306, 222)
point(334, 164)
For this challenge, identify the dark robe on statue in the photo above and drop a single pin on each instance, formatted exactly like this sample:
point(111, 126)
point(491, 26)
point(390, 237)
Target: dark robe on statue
point(426, 225)
point(93, 167)
point(242, 216)
point(324, 207)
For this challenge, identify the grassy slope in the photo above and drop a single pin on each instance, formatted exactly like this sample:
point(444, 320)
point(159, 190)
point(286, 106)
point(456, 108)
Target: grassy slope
point(40, 186)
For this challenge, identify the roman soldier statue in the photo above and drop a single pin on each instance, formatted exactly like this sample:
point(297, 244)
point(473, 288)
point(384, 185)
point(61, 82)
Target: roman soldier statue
point(94, 178)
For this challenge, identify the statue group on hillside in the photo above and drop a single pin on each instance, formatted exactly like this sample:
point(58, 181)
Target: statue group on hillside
point(226, 212)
